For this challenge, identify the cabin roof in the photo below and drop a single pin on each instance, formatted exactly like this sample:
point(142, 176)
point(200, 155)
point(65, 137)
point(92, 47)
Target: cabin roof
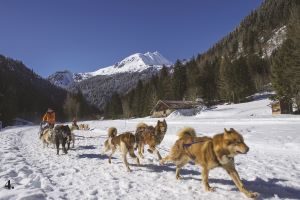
point(168, 104)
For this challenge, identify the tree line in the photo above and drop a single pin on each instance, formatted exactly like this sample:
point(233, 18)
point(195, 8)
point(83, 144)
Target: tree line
point(285, 74)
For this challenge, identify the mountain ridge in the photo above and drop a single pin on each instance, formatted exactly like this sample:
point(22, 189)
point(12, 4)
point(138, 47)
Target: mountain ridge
point(137, 62)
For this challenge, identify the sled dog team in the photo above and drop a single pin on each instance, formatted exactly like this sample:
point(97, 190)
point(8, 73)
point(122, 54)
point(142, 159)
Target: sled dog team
point(208, 152)
point(61, 134)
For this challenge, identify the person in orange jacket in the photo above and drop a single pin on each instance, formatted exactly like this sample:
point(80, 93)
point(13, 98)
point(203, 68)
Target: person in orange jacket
point(49, 117)
point(48, 121)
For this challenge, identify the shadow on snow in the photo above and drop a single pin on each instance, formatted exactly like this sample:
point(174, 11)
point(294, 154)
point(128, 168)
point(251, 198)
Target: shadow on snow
point(86, 147)
point(266, 188)
point(94, 155)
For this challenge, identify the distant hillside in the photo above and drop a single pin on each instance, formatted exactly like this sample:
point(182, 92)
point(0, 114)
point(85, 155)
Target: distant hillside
point(25, 94)
point(98, 90)
point(257, 33)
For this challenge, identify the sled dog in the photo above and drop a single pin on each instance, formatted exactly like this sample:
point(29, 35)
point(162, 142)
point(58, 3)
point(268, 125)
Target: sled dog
point(84, 127)
point(125, 142)
point(218, 151)
point(47, 137)
point(151, 136)
point(72, 135)
point(62, 135)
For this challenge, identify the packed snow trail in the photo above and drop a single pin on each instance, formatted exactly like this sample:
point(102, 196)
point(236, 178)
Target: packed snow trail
point(271, 167)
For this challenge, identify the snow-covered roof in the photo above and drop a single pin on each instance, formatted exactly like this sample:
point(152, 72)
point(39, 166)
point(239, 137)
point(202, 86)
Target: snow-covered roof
point(169, 104)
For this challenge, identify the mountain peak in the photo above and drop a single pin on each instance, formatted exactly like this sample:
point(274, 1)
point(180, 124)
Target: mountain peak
point(62, 78)
point(134, 63)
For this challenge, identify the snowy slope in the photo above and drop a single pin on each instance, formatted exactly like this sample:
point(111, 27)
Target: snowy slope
point(278, 37)
point(272, 166)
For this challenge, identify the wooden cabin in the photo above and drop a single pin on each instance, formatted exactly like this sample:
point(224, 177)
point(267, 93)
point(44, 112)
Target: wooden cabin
point(281, 107)
point(164, 108)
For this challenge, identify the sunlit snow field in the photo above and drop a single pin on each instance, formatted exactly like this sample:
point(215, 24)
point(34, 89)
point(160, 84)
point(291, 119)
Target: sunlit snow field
point(271, 167)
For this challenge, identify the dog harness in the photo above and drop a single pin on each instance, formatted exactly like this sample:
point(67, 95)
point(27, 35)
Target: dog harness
point(186, 146)
point(190, 144)
point(199, 140)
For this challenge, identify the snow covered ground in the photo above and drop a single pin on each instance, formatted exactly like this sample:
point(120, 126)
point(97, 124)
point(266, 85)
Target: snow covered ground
point(271, 167)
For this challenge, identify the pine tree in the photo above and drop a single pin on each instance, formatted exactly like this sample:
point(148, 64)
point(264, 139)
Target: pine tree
point(293, 57)
point(179, 81)
point(286, 62)
point(193, 80)
point(259, 70)
point(139, 99)
point(163, 85)
point(114, 108)
point(223, 81)
point(71, 107)
point(280, 73)
point(243, 85)
point(209, 81)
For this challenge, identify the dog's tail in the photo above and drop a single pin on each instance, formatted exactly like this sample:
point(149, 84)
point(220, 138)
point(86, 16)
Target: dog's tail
point(142, 125)
point(187, 131)
point(112, 132)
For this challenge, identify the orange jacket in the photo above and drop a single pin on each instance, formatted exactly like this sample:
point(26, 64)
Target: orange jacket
point(49, 117)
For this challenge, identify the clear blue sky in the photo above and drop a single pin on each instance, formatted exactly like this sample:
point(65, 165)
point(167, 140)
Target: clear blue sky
point(84, 35)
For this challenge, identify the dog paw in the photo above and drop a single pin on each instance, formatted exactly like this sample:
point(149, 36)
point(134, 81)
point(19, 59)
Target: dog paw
point(178, 177)
point(252, 194)
point(129, 170)
point(210, 189)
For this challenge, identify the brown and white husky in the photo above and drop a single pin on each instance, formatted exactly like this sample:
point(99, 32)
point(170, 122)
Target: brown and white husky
point(151, 136)
point(125, 142)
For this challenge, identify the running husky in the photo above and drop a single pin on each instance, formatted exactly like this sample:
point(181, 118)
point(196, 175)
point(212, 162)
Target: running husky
point(125, 142)
point(218, 151)
point(151, 136)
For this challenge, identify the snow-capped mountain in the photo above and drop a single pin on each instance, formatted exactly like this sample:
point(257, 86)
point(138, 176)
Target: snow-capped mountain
point(98, 86)
point(135, 63)
point(62, 78)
